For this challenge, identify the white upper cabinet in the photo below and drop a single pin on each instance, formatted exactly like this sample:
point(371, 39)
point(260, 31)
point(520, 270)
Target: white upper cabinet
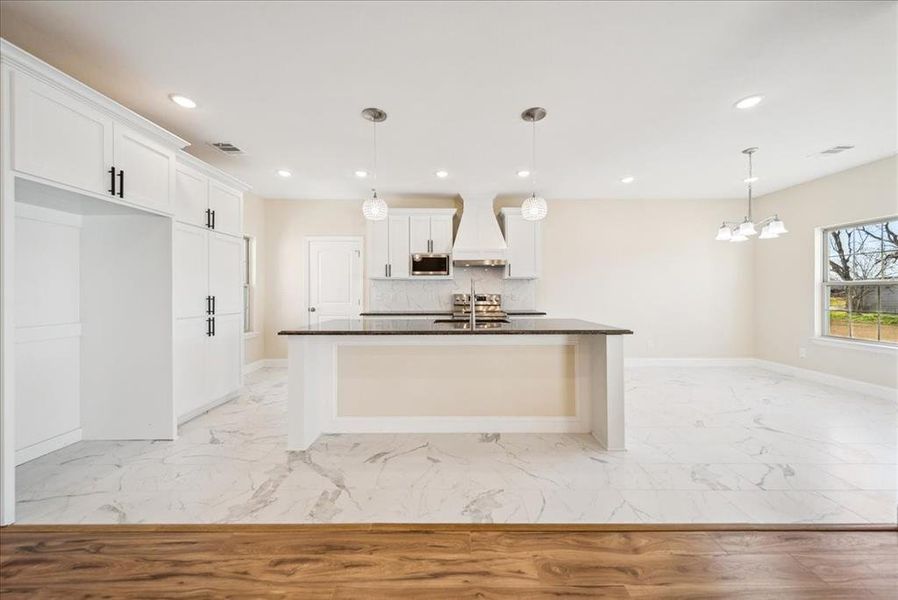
point(201, 197)
point(391, 242)
point(226, 205)
point(58, 137)
point(524, 242)
point(191, 196)
point(399, 252)
point(377, 253)
point(419, 234)
point(145, 169)
point(441, 234)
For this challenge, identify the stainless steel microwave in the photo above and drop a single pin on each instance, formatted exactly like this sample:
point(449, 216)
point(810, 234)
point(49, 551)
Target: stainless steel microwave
point(427, 264)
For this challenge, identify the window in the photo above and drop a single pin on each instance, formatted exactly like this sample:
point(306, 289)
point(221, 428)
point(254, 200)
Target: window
point(249, 258)
point(860, 283)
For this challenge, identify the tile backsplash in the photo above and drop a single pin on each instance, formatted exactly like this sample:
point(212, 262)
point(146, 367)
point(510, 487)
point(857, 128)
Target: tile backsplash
point(424, 294)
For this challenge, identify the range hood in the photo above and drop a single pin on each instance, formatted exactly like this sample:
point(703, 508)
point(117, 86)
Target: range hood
point(479, 241)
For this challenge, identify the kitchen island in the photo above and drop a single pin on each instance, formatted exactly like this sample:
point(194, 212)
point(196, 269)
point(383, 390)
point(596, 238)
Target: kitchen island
point(428, 376)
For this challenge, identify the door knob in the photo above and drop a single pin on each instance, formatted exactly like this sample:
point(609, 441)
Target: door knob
point(312, 309)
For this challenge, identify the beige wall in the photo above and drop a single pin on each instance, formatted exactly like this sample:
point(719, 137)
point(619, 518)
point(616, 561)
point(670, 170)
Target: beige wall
point(288, 223)
point(653, 267)
point(254, 227)
point(784, 294)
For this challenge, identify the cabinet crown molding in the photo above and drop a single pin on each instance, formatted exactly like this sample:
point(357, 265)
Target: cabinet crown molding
point(20, 60)
point(189, 160)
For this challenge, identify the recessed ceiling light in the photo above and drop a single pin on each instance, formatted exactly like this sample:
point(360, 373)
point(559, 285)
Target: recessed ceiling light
point(750, 179)
point(361, 174)
point(442, 174)
point(749, 102)
point(284, 173)
point(628, 179)
point(182, 101)
point(524, 173)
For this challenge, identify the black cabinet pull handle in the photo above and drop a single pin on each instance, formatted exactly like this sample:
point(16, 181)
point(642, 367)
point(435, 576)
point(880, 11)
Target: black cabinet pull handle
point(112, 181)
point(208, 305)
point(213, 219)
point(213, 325)
point(213, 305)
point(121, 183)
point(209, 326)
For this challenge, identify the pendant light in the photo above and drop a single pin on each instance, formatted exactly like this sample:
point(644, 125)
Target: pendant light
point(374, 208)
point(740, 231)
point(534, 207)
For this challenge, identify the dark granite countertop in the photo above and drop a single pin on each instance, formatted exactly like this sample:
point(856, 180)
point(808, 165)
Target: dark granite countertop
point(443, 313)
point(427, 327)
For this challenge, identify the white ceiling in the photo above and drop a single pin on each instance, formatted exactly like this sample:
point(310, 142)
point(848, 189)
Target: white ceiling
point(632, 88)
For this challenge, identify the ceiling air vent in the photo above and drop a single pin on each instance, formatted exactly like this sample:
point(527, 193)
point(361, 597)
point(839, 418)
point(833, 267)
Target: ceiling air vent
point(227, 148)
point(836, 149)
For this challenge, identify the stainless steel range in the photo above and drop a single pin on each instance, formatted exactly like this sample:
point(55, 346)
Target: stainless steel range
point(487, 307)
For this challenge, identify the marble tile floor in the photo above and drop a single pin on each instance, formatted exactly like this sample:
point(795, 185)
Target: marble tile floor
point(706, 445)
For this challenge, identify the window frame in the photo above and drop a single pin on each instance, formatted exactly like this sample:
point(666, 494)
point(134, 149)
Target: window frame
point(249, 276)
point(825, 284)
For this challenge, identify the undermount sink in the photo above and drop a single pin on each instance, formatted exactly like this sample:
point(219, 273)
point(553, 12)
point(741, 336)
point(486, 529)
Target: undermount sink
point(465, 324)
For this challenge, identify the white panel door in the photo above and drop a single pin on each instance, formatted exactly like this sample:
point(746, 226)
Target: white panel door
point(227, 206)
point(441, 234)
point(523, 247)
point(191, 386)
point(226, 273)
point(191, 196)
point(59, 138)
point(400, 256)
point(378, 248)
point(146, 169)
point(191, 270)
point(335, 280)
point(418, 234)
point(224, 356)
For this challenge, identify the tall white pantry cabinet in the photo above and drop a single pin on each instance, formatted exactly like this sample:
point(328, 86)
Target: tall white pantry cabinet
point(120, 261)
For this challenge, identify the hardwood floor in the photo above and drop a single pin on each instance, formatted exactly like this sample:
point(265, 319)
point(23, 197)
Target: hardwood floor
point(442, 562)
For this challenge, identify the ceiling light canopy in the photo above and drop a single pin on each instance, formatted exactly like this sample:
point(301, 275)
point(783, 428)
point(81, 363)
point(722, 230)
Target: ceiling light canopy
point(442, 174)
point(534, 208)
point(374, 208)
point(361, 174)
point(628, 179)
point(284, 173)
point(740, 231)
point(523, 173)
point(182, 101)
point(749, 102)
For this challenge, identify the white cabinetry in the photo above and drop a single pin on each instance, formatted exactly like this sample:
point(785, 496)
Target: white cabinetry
point(208, 317)
point(391, 242)
point(63, 139)
point(524, 240)
point(399, 254)
point(202, 198)
point(144, 169)
point(191, 196)
point(58, 137)
point(430, 233)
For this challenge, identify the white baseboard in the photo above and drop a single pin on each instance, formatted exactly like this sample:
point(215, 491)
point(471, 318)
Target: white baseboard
point(265, 363)
point(844, 383)
point(851, 385)
point(458, 425)
point(206, 408)
point(57, 442)
point(689, 362)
